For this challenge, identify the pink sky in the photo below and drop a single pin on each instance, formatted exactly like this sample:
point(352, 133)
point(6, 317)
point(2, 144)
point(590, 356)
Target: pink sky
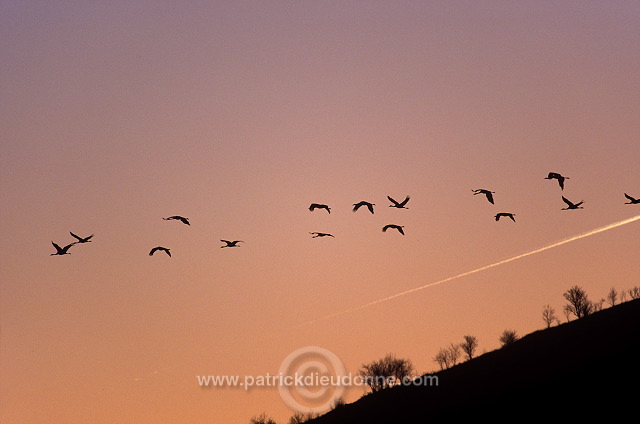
point(238, 115)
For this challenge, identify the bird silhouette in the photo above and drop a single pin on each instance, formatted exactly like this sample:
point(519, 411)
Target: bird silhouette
point(178, 218)
point(357, 206)
point(62, 250)
point(316, 234)
point(399, 205)
point(395, 227)
point(571, 205)
point(319, 206)
point(233, 243)
point(82, 239)
point(487, 193)
point(159, 248)
point(556, 176)
point(631, 201)
point(501, 214)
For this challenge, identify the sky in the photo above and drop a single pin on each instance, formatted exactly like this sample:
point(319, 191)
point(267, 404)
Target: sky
point(239, 115)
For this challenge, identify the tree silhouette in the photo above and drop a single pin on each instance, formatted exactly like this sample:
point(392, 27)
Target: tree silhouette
point(612, 297)
point(508, 337)
point(634, 292)
point(386, 372)
point(262, 419)
point(469, 346)
point(579, 303)
point(448, 356)
point(549, 315)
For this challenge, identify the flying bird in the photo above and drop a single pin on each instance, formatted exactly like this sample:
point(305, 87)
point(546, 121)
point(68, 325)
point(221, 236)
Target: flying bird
point(159, 248)
point(315, 234)
point(233, 243)
point(487, 193)
point(357, 206)
point(631, 201)
point(319, 206)
point(399, 205)
point(571, 205)
point(510, 215)
point(178, 218)
point(396, 227)
point(62, 250)
point(556, 176)
point(82, 239)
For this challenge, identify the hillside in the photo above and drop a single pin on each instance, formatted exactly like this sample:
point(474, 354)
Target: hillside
point(573, 371)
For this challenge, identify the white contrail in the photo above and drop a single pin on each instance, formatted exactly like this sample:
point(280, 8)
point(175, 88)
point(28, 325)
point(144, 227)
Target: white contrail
point(464, 274)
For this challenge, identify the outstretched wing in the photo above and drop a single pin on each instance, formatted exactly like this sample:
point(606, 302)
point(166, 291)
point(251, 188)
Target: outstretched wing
point(489, 197)
point(567, 201)
point(404, 202)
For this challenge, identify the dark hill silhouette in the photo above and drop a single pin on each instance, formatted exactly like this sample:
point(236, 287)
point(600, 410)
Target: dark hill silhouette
point(583, 369)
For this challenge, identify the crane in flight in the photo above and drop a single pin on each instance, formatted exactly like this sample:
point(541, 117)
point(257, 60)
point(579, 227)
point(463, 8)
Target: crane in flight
point(487, 193)
point(556, 176)
point(316, 234)
point(571, 205)
point(233, 243)
point(164, 249)
point(62, 250)
point(319, 206)
point(506, 214)
point(399, 205)
point(395, 227)
point(358, 205)
point(632, 201)
point(178, 218)
point(82, 239)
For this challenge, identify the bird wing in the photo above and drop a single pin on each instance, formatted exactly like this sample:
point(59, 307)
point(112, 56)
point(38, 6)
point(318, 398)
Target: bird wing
point(74, 235)
point(393, 201)
point(489, 196)
point(567, 201)
point(153, 251)
point(404, 202)
point(370, 206)
point(185, 220)
point(386, 227)
point(401, 230)
point(629, 197)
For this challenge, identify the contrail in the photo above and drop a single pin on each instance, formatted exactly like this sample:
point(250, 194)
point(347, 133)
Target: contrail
point(464, 274)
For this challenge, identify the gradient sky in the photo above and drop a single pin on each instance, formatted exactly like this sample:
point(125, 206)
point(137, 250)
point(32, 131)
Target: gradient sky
point(238, 115)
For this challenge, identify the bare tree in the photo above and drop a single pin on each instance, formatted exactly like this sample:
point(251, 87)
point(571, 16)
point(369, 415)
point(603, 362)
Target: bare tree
point(442, 358)
point(469, 346)
point(454, 353)
point(634, 292)
point(508, 337)
point(262, 419)
point(579, 303)
point(612, 297)
point(549, 315)
point(386, 372)
point(297, 418)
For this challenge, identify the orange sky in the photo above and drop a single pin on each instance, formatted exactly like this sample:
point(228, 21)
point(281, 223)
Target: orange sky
point(238, 115)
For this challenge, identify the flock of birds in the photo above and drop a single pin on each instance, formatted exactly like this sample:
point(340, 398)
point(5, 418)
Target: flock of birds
point(356, 206)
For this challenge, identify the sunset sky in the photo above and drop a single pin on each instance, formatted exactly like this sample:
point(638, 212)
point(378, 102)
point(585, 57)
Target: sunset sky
point(240, 114)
